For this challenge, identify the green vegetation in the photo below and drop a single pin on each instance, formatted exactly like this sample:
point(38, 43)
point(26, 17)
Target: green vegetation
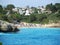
point(33, 18)
point(0, 43)
point(1, 8)
point(51, 7)
point(10, 7)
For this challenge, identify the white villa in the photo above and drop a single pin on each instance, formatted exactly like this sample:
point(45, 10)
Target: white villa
point(27, 12)
point(41, 9)
point(21, 11)
point(15, 9)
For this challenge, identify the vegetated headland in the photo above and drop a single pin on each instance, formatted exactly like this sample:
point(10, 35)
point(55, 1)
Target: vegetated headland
point(48, 16)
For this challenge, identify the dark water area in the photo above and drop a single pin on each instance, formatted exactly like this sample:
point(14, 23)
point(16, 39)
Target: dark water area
point(32, 36)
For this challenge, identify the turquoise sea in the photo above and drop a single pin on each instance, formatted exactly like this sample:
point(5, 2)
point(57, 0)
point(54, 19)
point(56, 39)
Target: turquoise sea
point(32, 36)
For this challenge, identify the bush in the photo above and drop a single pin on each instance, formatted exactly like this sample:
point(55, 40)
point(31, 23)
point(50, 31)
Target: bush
point(0, 43)
point(40, 17)
point(32, 18)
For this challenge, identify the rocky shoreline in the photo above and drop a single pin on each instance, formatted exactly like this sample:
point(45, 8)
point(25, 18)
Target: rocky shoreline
point(7, 27)
point(10, 27)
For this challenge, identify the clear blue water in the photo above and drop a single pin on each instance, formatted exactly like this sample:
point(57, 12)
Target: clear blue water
point(32, 36)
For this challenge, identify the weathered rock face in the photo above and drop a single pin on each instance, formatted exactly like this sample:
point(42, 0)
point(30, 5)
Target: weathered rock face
point(3, 27)
point(6, 27)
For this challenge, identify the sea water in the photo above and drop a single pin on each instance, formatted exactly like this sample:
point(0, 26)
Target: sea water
point(32, 36)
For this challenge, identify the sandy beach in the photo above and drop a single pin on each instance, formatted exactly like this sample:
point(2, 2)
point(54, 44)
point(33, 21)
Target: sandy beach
point(32, 25)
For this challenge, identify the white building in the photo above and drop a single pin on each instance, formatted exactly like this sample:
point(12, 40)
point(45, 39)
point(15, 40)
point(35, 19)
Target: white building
point(20, 11)
point(41, 9)
point(15, 9)
point(27, 12)
point(31, 11)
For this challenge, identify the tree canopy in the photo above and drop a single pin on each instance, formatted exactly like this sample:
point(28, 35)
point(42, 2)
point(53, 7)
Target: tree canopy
point(57, 6)
point(51, 7)
point(1, 8)
point(10, 7)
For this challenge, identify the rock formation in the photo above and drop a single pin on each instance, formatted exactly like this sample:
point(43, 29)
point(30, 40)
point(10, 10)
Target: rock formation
point(7, 27)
